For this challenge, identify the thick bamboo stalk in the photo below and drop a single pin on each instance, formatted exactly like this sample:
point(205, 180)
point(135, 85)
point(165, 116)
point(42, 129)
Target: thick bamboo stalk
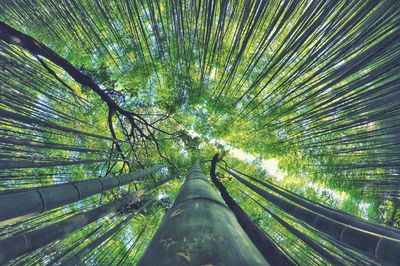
point(329, 212)
point(199, 229)
point(376, 246)
point(39, 199)
point(303, 237)
point(17, 245)
point(18, 164)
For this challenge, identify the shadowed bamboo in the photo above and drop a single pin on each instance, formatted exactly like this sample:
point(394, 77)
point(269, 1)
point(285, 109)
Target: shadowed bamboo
point(18, 164)
point(327, 211)
point(303, 237)
point(373, 245)
point(39, 199)
point(17, 245)
point(199, 229)
point(265, 245)
point(45, 145)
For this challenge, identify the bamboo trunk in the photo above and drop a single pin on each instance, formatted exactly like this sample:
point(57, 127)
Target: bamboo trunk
point(303, 237)
point(329, 212)
point(17, 245)
point(39, 199)
point(375, 246)
point(271, 252)
point(199, 229)
point(18, 164)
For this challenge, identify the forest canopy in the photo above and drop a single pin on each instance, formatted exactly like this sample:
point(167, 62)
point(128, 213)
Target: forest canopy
point(303, 95)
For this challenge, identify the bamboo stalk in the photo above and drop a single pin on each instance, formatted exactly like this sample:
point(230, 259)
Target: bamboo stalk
point(17, 245)
point(38, 200)
point(199, 229)
point(373, 245)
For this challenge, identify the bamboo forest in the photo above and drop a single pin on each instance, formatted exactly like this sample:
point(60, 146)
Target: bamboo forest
point(199, 132)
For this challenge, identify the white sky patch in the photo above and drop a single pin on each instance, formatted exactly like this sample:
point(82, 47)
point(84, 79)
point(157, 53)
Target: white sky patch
point(337, 196)
point(213, 72)
point(162, 195)
point(183, 151)
point(271, 166)
point(364, 207)
point(193, 133)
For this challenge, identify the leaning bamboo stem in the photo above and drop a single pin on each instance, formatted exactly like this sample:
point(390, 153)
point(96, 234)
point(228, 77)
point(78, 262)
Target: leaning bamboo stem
point(38, 200)
point(265, 245)
point(327, 211)
point(373, 245)
point(17, 245)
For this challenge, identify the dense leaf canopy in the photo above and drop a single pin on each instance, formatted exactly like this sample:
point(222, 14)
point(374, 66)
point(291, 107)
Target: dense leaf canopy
point(301, 94)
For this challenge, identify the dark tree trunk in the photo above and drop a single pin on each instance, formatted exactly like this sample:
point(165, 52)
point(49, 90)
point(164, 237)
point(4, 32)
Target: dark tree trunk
point(265, 245)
